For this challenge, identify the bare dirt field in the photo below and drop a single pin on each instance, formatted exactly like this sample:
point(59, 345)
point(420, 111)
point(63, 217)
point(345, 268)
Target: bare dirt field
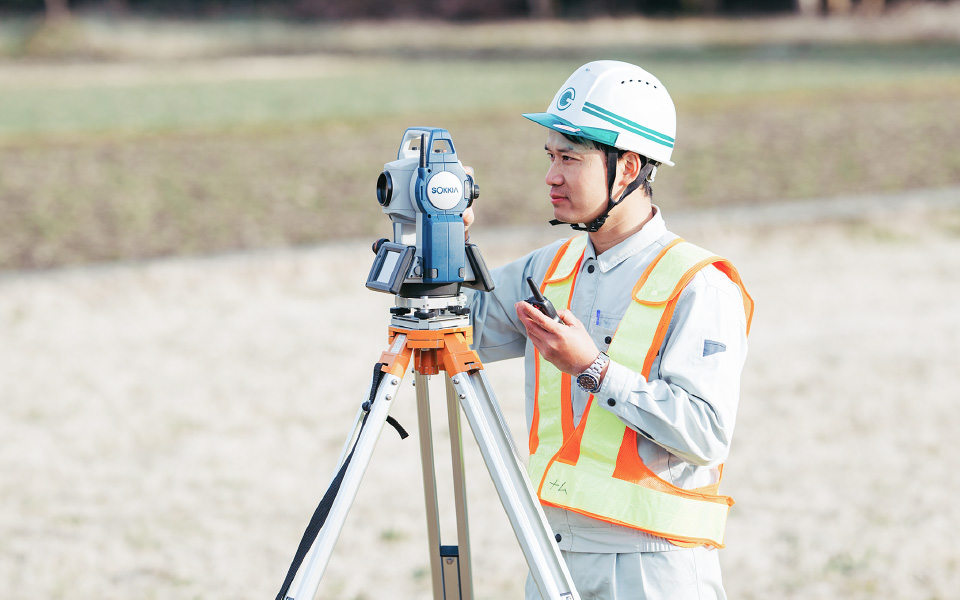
point(166, 428)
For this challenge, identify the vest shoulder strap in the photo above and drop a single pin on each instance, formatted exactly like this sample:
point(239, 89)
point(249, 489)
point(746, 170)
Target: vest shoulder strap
point(670, 271)
point(566, 259)
point(673, 269)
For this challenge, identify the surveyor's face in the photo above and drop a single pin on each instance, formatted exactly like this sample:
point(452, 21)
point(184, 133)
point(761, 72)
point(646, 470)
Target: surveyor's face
point(577, 180)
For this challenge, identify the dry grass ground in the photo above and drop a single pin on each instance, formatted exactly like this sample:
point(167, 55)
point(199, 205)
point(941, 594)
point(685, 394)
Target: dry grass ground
point(167, 427)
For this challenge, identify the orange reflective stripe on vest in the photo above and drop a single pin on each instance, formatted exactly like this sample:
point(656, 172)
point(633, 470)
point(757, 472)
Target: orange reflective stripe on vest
point(594, 469)
point(556, 385)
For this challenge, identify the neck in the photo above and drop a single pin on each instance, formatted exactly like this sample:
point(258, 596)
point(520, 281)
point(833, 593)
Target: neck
point(634, 213)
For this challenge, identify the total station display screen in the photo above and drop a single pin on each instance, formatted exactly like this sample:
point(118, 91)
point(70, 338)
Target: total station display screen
point(388, 267)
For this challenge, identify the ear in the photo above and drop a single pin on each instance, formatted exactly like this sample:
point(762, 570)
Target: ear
point(632, 163)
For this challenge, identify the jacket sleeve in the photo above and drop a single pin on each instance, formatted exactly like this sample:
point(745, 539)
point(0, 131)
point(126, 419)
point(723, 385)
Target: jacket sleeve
point(497, 331)
point(688, 406)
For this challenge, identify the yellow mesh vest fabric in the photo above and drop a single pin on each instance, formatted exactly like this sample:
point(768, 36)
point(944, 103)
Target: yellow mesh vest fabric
point(586, 470)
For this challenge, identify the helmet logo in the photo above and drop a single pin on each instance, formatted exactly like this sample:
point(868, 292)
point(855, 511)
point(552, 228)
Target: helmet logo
point(566, 98)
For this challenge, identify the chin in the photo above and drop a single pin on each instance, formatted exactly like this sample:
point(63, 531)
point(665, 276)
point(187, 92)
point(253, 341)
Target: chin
point(570, 217)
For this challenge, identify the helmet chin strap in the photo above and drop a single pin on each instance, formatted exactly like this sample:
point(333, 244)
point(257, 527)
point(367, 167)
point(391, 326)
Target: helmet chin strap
point(647, 172)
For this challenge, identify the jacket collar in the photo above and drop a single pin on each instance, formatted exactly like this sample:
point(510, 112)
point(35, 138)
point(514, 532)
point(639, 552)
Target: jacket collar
point(652, 231)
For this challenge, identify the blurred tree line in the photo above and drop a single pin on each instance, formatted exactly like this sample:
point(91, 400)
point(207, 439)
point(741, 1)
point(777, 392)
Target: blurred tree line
point(439, 9)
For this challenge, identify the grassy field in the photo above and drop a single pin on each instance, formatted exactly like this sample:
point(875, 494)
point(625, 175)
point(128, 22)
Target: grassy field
point(123, 140)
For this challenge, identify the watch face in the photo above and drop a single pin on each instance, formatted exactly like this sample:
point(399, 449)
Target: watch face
point(588, 382)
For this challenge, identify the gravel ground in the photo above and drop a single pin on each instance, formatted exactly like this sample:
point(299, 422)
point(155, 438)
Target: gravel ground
point(166, 428)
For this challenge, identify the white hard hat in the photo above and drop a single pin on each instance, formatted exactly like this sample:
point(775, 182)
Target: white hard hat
point(617, 104)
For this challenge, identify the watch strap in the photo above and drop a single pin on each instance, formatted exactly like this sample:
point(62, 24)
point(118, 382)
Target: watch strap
point(589, 379)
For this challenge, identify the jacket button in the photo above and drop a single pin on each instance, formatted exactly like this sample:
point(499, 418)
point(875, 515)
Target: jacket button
point(590, 269)
point(611, 402)
point(558, 538)
point(607, 340)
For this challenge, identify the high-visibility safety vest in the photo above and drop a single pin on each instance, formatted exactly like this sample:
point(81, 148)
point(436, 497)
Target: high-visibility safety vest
point(594, 468)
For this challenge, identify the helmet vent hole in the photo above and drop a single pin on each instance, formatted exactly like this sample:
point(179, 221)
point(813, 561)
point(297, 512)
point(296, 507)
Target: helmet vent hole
point(626, 81)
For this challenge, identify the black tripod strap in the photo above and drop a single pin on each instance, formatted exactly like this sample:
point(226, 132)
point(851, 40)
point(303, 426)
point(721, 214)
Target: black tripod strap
point(316, 522)
point(326, 503)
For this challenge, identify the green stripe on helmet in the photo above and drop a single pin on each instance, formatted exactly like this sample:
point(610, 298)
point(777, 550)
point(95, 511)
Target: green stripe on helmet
point(606, 115)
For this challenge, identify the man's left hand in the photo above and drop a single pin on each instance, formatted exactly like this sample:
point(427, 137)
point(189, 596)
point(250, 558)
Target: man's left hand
point(567, 345)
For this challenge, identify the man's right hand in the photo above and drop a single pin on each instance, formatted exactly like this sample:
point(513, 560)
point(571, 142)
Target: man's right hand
point(467, 222)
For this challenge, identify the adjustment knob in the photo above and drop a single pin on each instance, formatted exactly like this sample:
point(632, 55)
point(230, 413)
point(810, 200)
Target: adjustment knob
point(472, 189)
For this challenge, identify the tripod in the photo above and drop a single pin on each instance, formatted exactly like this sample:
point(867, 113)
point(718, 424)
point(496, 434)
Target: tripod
point(437, 336)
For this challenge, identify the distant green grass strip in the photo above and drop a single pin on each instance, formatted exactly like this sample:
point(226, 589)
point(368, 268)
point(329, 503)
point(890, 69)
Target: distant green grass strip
point(384, 88)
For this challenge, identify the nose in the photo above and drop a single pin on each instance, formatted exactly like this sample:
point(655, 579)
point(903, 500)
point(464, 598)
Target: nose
point(554, 177)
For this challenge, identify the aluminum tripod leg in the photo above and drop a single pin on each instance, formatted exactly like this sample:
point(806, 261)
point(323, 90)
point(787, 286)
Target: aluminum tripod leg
point(429, 483)
point(470, 386)
point(304, 586)
point(518, 497)
point(449, 565)
point(463, 560)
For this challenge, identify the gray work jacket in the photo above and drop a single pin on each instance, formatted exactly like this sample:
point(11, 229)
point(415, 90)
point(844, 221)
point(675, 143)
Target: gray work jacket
point(684, 413)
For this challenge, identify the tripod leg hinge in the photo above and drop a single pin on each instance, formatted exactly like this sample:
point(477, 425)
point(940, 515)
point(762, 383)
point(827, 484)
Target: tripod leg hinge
point(396, 358)
point(458, 357)
point(435, 351)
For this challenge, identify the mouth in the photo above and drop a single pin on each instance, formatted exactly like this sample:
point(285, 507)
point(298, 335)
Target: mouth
point(556, 199)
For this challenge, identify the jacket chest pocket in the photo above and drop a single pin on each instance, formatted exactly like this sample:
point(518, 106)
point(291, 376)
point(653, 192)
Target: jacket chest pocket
point(602, 328)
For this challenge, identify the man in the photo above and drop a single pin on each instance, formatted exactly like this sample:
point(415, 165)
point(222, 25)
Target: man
point(631, 397)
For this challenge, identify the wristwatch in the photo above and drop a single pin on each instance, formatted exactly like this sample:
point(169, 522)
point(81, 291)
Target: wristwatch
point(589, 380)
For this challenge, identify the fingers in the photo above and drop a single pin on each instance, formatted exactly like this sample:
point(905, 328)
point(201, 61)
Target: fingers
point(536, 325)
point(569, 318)
point(526, 311)
point(468, 219)
point(567, 345)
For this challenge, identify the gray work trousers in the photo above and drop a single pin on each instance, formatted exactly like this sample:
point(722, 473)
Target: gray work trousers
point(684, 574)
